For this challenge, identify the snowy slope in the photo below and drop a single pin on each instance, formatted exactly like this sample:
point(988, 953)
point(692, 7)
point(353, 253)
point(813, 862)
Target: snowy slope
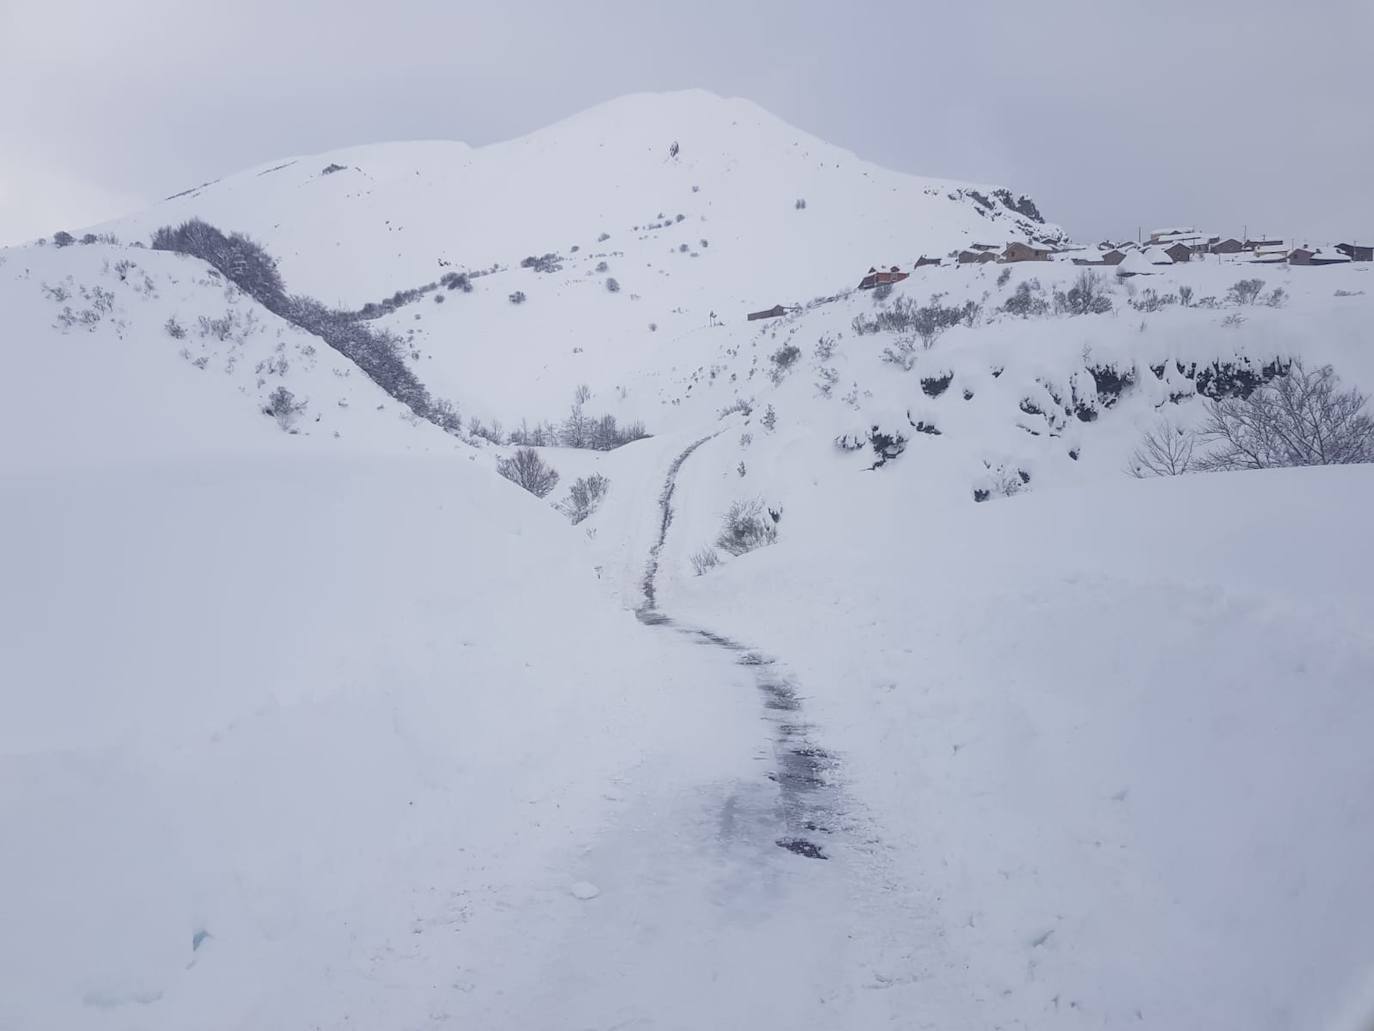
point(715, 229)
point(96, 376)
point(328, 725)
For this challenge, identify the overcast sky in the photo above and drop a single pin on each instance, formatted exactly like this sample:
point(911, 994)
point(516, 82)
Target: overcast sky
point(1112, 115)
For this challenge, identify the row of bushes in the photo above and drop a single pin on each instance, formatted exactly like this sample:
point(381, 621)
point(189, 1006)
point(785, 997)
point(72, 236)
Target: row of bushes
point(248, 265)
point(1301, 418)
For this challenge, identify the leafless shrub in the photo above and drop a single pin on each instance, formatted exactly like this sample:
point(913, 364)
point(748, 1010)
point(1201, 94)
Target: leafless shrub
point(704, 560)
point(1303, 418)
point(585, 495)
point(783, 359)
point(1245, 292)
point(283, 406)
point(1166, 450)
point(1089, 295)
point(1026, 300)
point(174, 329)
point(747, 526)
point(526, 469)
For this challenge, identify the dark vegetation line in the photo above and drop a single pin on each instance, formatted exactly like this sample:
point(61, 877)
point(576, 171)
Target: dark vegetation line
point(248, 266)
point(379, 353)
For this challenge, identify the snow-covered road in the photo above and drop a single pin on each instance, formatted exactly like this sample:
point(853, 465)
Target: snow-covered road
point(755, 900)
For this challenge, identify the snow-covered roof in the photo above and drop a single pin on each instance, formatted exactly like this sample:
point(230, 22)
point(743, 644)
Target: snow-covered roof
point(1157, 256)
point(1136, 264)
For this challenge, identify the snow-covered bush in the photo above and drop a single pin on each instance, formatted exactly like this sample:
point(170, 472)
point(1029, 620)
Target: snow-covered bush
point(526, 469)
point(704, 560)
point(770, 418)
point(743, 405)
point(585, 495)
point(543, 262)
point(747, 526)
point(62, 238)
point(783, 359)
point(517, 298)
point(1026, 301)
point(1246, 291)
point(174, 329)
point(1004, 277)
point(1303, 418)
point(1089, 295)
point(491, 434)
point(612, 285)
point(283, 406)
point(1151, 300)
point(240, 259)
point(800, 205)
point(905, 316)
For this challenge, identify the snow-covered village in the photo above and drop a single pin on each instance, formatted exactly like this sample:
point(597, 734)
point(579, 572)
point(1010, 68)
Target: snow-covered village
point(657, 566)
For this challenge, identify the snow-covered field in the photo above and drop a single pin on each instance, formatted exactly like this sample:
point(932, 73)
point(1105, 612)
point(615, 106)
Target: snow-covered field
point(315, 721)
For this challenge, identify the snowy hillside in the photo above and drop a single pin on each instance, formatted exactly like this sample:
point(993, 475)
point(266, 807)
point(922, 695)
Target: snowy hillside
point(312, 719)
point(124, 353)
point(716, 228)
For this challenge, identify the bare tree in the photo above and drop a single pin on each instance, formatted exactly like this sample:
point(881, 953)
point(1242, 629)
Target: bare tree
point(1167, 450)
point(1303, 418)
point(528, 470)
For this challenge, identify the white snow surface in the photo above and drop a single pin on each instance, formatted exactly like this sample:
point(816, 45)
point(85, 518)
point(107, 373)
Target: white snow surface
point(335, 727)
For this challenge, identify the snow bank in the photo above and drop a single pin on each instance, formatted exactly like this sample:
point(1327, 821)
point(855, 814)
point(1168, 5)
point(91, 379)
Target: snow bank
point(1117, 736)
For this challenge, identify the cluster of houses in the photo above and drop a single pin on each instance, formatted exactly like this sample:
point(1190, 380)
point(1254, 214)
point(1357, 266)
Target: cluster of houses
point(1165, 247)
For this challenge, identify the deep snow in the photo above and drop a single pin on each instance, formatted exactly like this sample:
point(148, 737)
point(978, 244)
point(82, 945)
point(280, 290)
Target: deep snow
point(335, 727)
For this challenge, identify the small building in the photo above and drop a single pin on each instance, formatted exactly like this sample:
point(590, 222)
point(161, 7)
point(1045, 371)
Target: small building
point(976, 257)
point(876, 278)
point(1309, 255)
point(1018, 251)
point(1170, 235)
point(1269, 255)
point(1228, 246)
point(1255, 245)
point(1111, 256)
point(1135, 264)
point(1179, 251)
point(923, 261)
point(1356, 252)
point(777, 311)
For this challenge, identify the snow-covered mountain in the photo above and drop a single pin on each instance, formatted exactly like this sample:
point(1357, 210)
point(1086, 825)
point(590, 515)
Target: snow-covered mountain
point(312, 719)
point(748, 213)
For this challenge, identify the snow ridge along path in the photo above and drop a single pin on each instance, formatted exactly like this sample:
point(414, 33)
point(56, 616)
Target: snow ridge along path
point(804, 770)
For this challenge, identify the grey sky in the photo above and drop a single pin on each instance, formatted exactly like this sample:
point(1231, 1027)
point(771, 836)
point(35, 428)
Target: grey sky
point(1222, 113)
